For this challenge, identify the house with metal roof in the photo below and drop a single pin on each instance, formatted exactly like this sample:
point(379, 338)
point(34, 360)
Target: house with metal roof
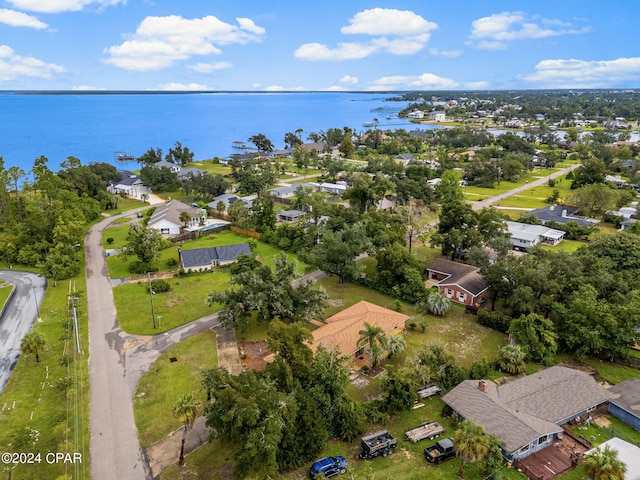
point(628, 453)
point(229, 199)
point(342, 329)
point(625, 403)
point(203, 258)
point(290, 216)
point(459, 282)
point(523, 235)
point(527, 414)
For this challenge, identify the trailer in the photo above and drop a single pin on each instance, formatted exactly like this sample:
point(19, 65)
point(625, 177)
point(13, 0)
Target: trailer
point(428, 430)
point(376, 444)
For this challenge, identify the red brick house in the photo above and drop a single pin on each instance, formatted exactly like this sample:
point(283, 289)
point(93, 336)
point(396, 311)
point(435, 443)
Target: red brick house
point(459, 282)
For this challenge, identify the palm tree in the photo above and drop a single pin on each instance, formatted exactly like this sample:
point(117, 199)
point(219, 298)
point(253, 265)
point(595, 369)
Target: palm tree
point(396, 344)
point(144, 197)
point(185, 217)
point(374, 337)
point(438, 304)
point(186, 410)
point(32, 343)
point(511, 359)
point(604, 464)
point(470, 443)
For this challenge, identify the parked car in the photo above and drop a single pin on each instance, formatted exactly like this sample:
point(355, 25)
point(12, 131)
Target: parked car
point(329, 466)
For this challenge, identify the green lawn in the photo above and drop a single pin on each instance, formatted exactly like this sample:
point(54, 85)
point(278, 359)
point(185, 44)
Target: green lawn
point(5, 291)
point(187, 301)
point(125, 204)
point(565, 246)
point(212, 168)
point(160, 387)
point(37, 396)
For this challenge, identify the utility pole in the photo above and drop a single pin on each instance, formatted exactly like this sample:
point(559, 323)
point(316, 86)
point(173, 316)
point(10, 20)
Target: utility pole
point(153, 313)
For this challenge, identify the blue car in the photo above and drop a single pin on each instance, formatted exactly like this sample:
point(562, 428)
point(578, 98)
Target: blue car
point(329, 466)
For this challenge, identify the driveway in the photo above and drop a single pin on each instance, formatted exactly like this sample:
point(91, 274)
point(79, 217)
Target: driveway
point(18, 316)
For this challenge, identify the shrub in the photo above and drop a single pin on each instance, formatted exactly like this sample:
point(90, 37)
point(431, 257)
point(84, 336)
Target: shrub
point(375, 412)
point(160, 286)
point(109, 240)
point(495, 320)
point(139, 267)
point(172, 262)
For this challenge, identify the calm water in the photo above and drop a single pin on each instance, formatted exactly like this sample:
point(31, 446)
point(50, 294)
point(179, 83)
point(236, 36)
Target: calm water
point(94, 127)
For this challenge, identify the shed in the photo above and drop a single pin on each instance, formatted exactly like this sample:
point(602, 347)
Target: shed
point(628, 454)
point(626, 402)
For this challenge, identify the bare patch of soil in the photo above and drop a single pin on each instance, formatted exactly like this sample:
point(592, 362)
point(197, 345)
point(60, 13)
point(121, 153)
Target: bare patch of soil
point(253, 354)
point(360, 382)
point(602, 422)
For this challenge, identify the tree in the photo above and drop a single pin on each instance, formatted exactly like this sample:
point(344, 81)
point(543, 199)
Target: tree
point(204, 185)
point(180, 155)
point(347, 148)
point(449, 189)
point(592, 170)
point(220, 206)
point(289, 341)
point(185, 217)
point(470, 443)
point(604, 464)
point(237, 211)
point(594, 199)
point(32, 344)
point(186, 410)
point(291, 140)
point(150, 157)
point(144, 243)
point(537, 337)
point(511, 359)
point(337, 251)
point(159, 179)
point(364, 192)
point(263, 213)
point(374, 337)
point(262, 143)
point(396, 344)
point(436, 303)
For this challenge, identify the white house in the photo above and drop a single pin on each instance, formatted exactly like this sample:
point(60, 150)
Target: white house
point(175, 168)
point(437, 116)
point(416, 114)
point(333, 188)
point(166, 218)
point(525, 236)
point(129, 184)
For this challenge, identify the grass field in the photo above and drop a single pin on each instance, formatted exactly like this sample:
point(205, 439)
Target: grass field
point(187, 301)
point(212, 168)
point(5, 291)
point(126, 203)
point(42, 395)
point(161, 386)
point(565, 246)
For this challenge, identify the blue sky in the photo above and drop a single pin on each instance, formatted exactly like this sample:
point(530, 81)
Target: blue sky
point(324, 45)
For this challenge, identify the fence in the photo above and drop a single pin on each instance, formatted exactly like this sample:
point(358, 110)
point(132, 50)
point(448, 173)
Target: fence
point(196, 234)
point(248, 233)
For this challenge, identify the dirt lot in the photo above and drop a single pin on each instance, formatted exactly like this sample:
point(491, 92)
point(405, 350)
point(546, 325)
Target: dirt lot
point(255, 353)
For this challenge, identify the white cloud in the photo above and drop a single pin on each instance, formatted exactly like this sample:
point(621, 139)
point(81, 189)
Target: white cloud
point(160, 42)
point(19, 19)
point(87, 88)
point(333, 88)
point(476, 85)
point(57, 6)
point(574, 73)
point(398, 32)
point(280, 88)
point(209, 67)
point(182, 86)
point(492, 32)
point(349, 80)
point(445, 53)
point(426, 80)
point(388, 21)
point(14, 66)
point(249, 25)
point(256, 85)
point(344, 51)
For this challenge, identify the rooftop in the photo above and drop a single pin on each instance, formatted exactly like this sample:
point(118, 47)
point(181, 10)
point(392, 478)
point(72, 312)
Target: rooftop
point(461, 274)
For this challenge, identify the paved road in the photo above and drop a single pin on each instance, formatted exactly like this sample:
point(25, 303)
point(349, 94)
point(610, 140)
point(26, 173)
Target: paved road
point(18, 317)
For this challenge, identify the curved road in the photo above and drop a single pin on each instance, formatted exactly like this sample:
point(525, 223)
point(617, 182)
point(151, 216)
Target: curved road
point(18, 317)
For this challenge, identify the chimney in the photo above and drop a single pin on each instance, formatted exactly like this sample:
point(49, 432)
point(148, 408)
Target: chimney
point(483, 385)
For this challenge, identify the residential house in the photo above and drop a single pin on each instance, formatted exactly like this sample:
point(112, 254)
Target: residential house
point(527, 414)
point(416, 114)
point(342, 329)
point(524, 236)
point(625, 403)
point(628, 454)
point(437, 116)
point(289, 215)
point(333, 188)
point(404, 159)
point(166, 218)
point(624, 226)
point(229, 199)
point(561, 214)
point(289, 191)
point(129, 184)
point(459, 282)
point(174, 167)
point(203, 258)
point(184, 173)
point(616, 180)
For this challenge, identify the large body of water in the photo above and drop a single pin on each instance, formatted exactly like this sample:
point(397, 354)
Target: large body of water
point(92, 127)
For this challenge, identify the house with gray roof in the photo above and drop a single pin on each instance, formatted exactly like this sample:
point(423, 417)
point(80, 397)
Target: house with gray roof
point(289, 191)
point(527, 414)
point(203, 258)
point(174, 167)
point(625, 404)
point(290, 216)
point(229, 199)
point(459, 282)
point(128, 184)
point(523, 235)
point(561, 214)
point(166, 218)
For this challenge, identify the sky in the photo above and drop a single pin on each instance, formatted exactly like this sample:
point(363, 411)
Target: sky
point(336, 45)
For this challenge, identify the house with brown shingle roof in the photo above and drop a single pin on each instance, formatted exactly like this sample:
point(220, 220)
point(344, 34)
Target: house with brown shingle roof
point(527, 414)
point(342, 329)
point(459, 282)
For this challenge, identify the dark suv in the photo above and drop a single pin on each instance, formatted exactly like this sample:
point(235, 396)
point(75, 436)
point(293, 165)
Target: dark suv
point(329, 466)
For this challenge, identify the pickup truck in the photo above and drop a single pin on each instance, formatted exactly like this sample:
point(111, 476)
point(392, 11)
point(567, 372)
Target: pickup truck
point(376, 444)
point(428, 430)
point(441, 451)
